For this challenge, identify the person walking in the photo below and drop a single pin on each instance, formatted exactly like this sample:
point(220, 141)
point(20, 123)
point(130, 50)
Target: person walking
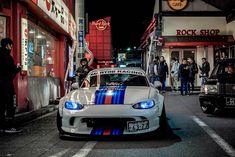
point(8, 71)
point(174, 74)
point(193, 70)
point(83, 70)
point(163, 73)
point(184, 76)
point(205, 69)
point(151, 72)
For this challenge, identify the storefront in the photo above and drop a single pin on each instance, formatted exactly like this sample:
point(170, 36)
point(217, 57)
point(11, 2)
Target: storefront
point(42, 32)
point(191, 29)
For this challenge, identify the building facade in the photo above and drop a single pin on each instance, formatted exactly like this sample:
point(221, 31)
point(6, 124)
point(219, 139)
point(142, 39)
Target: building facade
point(192, 28)
point(42, 32)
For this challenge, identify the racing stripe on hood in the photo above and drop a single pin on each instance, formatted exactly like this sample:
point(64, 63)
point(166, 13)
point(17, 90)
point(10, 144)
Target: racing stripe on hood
point(110, 95)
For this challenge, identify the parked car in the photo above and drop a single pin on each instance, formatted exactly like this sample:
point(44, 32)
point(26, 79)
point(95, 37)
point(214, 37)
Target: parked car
point(219, 91)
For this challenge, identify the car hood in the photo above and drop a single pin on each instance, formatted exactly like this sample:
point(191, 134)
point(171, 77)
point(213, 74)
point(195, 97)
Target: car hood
point(109, 95)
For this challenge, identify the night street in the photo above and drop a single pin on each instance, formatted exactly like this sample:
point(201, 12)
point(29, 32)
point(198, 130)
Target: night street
point(185, 138)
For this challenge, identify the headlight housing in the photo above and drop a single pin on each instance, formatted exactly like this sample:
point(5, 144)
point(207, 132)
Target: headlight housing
point(147, 104)
point(211, 89)
point(73, 106)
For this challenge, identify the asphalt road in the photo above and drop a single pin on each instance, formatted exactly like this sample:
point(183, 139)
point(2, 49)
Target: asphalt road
point(191, 134)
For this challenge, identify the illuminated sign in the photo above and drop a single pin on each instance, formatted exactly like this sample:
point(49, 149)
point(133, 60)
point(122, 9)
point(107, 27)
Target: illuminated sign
point(101, 24)
point(194, 32)
point(177, 5)
point(24, 44)
point(57, 11)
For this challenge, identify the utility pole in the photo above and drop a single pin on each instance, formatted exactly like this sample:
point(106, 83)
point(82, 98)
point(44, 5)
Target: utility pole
point(80, 21)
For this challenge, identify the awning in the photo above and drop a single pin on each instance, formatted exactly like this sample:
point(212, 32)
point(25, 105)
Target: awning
point(186, 41)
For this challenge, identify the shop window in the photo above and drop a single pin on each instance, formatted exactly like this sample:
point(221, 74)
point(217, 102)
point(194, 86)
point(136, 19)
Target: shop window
point(2, 27)
point(41, 52)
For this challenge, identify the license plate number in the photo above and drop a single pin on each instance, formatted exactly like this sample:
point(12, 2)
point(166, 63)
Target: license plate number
point(134, 126)
point(230, 101)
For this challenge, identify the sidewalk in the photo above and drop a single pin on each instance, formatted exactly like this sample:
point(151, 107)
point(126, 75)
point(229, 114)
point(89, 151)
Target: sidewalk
point(22, 118)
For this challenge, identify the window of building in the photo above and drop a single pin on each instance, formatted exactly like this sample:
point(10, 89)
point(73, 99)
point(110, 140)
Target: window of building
point(41, 52)
point(3, 30)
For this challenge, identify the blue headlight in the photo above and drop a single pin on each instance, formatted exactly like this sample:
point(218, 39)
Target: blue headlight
point(73, 106)
point(144, 104)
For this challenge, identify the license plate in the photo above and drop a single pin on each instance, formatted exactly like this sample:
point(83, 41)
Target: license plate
point(230, 101)
point(134, 126)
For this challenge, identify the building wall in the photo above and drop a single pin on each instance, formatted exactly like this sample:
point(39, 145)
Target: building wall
point(231, 28)
point(99, 38)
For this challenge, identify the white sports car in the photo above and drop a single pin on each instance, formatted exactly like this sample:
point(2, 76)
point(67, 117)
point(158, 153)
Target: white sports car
point(112, 101)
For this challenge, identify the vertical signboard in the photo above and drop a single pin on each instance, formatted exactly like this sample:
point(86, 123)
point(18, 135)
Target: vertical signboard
point(70, 65)
point(80, 36)
point(72, 27)
point(24, 44)
point(2, 27)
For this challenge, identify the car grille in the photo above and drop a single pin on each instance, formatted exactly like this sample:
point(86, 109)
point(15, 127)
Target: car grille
point(107, 122)
point(228, 89)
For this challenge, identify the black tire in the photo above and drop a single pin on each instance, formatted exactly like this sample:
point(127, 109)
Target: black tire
point(59, 123)
point(207, 109)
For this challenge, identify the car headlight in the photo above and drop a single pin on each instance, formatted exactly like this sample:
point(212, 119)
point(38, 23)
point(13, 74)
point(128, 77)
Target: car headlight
point(211, 89)
point(144, 104)
point(73, 106)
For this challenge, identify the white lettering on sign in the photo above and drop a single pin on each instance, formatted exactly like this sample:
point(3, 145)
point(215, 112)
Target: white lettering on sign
point(24, 44)
point(101, 24)
point(134, 72)
point(194, 32)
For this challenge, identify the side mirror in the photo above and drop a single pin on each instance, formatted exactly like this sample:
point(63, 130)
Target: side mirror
point(85, 84)
point(75, 85)
point(158, 85)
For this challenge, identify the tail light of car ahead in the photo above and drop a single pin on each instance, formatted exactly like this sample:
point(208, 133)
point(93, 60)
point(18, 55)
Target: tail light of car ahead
point(73, 106)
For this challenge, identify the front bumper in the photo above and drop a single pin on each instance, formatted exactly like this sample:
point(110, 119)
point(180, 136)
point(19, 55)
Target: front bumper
point(218, 101)
point(108, 120)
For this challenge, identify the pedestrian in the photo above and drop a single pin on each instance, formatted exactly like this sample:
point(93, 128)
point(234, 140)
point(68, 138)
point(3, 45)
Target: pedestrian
point(8, 71)
point(151, 72)
point(205, 69)
point(193, 70)
point(83, 70)
point(184, 76)
point(163, 73)
point(174, 74)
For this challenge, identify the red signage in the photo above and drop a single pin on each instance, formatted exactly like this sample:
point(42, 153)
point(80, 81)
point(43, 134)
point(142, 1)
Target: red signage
point(101, 24)
point(194, 32)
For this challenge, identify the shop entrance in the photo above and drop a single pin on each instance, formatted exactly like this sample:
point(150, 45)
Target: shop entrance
point(179, 54)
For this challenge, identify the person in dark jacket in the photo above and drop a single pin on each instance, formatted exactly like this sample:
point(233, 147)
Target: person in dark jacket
point(83, 70)
point(184, 76)
point(8, 71)
point(205, 69)
point(163, 73)
point(193, 70)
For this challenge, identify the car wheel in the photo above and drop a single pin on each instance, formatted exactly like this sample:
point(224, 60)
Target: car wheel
point(59, 123)
point(207, 109)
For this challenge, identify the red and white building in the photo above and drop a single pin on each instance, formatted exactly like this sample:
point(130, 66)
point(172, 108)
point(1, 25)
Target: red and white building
point(42, 32)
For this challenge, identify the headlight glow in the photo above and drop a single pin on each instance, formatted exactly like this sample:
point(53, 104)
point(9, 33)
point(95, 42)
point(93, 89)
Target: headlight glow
point(211, 89)
point(144, 104)
point(73, 106)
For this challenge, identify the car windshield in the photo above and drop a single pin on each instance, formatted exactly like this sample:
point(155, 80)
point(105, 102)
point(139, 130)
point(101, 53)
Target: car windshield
point(117, 80)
